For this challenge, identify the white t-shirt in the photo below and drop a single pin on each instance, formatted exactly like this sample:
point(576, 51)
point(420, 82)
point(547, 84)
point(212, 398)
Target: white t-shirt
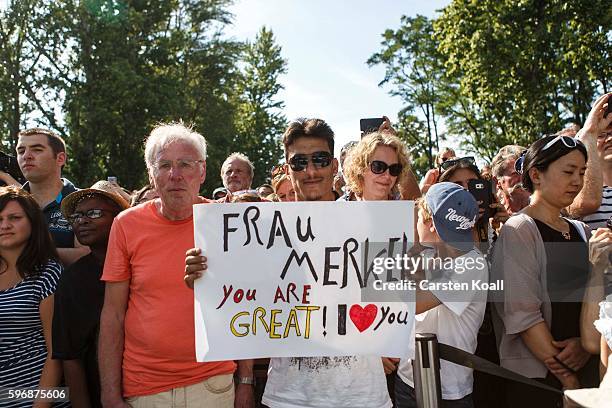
point(317, 382)
point(455, 323)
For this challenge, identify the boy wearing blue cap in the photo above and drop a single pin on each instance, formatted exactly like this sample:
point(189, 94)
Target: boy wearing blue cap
point(450, 302)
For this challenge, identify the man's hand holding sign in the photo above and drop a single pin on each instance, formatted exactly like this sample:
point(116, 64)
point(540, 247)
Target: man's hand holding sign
point(287, 280)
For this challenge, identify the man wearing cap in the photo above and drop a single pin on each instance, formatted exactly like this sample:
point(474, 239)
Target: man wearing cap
point(41, 155)
point(237, 172)
point(450, 301)
point(80, 293)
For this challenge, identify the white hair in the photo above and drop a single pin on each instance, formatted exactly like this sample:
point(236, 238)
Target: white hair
point(239, 156)
point(164, 134)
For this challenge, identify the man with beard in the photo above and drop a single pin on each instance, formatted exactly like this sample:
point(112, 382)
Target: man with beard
point(237, 172)
point(510, 191)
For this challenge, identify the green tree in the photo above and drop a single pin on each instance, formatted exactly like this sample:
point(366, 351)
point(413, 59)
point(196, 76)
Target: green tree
point(30, 69)
point(139, 65)
point(414, 73)
point(523, 68)
point(259, 120)
point(413, 131)
point(103, 73)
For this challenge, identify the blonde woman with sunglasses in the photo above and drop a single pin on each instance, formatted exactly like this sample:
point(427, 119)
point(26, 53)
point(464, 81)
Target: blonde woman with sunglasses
point(376, 167)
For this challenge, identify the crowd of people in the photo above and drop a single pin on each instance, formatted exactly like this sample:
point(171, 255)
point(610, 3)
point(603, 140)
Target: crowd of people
point(96, 283)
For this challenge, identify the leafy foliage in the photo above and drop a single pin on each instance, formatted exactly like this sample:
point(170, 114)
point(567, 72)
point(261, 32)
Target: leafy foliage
point(499, 71)
point(261, 122)
point(103, 73)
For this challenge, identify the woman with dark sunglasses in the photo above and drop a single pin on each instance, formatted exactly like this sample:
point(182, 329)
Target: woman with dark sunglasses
point(375, 168)
point(461, 171)
point(543, 259)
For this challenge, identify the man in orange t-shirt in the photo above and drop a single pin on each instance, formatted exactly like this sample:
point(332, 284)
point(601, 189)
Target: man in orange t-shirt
point(147, 335)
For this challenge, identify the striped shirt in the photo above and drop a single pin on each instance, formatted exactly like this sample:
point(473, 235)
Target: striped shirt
point(604, 212)
point(22, 344)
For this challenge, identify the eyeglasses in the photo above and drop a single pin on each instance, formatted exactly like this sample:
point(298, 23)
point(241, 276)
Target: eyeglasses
point(379, 167)
point(469, 161)
point(185, 165)
point(569, 142)
point(299, 162)
point(92, 214)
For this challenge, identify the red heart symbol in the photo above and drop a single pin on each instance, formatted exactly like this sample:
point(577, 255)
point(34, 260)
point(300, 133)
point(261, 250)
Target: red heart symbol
point(363, 317)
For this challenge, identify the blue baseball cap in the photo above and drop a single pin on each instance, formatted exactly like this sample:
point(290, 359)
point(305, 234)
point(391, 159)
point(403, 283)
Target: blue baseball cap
point(454, 211)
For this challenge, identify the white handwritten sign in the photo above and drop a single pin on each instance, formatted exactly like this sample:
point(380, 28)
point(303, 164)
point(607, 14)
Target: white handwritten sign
point(286, 279)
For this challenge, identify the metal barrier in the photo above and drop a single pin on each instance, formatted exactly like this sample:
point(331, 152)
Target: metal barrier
point(426, 369)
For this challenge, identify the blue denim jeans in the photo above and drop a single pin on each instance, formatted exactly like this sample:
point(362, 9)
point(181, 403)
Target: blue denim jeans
point(405, 397)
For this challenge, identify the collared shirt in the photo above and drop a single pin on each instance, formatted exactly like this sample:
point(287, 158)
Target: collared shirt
point(59, 227)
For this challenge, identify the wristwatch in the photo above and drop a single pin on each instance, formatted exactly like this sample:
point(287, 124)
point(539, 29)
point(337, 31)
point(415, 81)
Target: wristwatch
point(246, 380)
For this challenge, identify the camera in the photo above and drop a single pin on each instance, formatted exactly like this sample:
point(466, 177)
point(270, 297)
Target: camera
point(8, 164)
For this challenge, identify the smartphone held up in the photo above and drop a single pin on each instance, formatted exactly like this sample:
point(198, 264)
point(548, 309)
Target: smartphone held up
point(370, 125)
point(482, 191)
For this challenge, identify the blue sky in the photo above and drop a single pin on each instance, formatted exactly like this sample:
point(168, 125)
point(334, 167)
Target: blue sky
point(327, 44)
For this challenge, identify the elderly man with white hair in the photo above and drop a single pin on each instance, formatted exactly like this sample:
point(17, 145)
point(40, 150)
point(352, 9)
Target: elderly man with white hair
point(237, 172)
point(147, 346)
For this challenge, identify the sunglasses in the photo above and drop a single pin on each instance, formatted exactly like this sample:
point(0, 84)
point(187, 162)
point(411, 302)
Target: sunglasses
point(92, 214)
point(299, 162)
point(379, 167)
point(469, 161)
point(569, 142)
point(518, 164)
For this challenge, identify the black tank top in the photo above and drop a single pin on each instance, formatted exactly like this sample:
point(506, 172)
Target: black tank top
point(567, 270)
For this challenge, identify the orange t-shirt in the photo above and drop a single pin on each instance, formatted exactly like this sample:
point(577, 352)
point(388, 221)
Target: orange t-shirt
point(159, 351)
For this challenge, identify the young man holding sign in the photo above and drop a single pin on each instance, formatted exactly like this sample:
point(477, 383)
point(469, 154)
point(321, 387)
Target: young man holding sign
point(315, 382)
